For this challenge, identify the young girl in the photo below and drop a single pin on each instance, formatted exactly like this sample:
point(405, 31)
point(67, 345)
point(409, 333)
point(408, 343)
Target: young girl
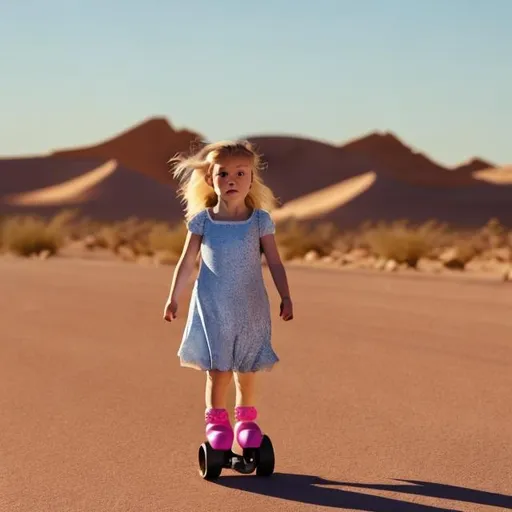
point(228, 329)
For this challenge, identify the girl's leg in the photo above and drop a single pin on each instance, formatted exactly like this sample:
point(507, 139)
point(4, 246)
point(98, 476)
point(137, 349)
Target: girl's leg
point(218, 427)
point(245, 389)
point(217, 385)
point(247, 432)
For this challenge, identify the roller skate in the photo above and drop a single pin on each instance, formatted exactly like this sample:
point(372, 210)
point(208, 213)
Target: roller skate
point(216, 453)
point(218, 429)
point(247, 432)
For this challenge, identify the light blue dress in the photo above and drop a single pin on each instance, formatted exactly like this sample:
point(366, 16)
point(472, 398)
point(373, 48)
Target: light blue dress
point(228, 325)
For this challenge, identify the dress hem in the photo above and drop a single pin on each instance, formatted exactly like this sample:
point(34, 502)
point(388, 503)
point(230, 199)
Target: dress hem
point(194, 366)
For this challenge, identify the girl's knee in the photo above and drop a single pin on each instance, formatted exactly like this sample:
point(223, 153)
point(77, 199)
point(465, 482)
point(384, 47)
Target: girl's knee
point(217, 376)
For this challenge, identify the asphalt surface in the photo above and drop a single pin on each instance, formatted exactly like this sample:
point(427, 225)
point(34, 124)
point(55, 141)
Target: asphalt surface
point(393, 393)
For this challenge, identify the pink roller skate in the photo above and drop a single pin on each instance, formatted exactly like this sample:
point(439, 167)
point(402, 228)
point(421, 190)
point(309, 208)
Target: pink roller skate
point(218, 429)
point(217, 453)
point(247, 432)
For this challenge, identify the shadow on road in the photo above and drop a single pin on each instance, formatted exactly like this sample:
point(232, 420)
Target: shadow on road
point(447, 492)
point(309, 490)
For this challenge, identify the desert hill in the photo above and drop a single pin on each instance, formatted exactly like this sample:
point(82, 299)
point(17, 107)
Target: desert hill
point(374, 177)
point(393, 158)
point(99, 189)
point(315, 165)
point(300, 166)
point(474, 165)
point(377, 197)
point(146, 148)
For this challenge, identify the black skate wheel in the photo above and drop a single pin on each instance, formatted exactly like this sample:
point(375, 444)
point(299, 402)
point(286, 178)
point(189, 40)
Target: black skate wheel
point(265, 459)
point(210, 462)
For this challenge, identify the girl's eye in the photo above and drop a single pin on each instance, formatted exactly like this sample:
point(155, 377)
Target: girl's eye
point(223, 174)
point(241, 173)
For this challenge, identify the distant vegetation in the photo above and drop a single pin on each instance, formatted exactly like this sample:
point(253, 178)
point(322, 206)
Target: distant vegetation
point(27, 235)
point(381, 245)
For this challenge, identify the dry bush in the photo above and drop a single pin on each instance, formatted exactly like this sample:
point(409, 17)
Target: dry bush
point(164, 238)
point(403, 242)
point(494, 235)
point(84, 227)
point(108, 236)
point(131, 233)
point(460, 254)
point(295, 239)
point(26, 235)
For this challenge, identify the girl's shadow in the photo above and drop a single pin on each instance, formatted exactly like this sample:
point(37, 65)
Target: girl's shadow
point(308, 489)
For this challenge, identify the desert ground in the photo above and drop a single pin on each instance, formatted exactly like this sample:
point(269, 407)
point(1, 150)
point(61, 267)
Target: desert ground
point(392, 394)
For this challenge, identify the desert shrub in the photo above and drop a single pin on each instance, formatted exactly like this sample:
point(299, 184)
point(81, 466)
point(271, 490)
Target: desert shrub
point(164, 238)
point(132, 233)
point(26, 235)
point(84, 227)
point(403, 242)
point(295, 239)
point(462, 252)
point(494, 234)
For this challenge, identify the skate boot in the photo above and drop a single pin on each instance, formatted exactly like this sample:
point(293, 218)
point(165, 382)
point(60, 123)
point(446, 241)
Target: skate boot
point(247, 432)
point(218, 429)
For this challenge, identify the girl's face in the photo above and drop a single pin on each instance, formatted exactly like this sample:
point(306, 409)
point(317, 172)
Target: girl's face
point(231, 178)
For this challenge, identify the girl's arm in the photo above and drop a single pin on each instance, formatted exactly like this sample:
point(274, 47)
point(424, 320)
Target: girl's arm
point(183, 271)
point(276, 266)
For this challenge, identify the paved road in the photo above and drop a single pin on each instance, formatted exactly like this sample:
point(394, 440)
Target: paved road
point(393, 394)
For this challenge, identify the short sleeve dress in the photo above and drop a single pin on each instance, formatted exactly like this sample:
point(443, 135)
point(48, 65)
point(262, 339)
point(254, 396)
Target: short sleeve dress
point(228, 326)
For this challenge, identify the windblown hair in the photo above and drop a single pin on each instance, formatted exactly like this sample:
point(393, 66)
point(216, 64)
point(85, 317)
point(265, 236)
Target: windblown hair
point(192, 171)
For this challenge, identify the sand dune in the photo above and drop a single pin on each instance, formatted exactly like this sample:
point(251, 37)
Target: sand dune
point(109, 191)
point(373, 177)
point(74, 191)
point(325, 201)
point(297, 167)
point(319, 181)
point(19, 175)
point(498, 176)
point(389, 199)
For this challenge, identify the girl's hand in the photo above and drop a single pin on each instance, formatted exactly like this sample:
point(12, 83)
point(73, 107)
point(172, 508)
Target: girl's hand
point(170, 310)
point(286, 312)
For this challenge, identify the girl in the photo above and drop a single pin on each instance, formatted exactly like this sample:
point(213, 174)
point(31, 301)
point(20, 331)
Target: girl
point(228, 329)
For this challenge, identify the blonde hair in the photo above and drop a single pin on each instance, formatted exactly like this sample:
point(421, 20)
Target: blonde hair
point(192, 172)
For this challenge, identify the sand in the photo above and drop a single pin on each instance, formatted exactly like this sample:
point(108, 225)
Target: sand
point(393, 394)
point(499, 176)
point(74, 191)
point(325, 201)
point(375, 177)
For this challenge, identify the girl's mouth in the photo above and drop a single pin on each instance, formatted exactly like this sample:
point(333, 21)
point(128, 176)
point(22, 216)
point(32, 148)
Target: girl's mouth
point(231, 191)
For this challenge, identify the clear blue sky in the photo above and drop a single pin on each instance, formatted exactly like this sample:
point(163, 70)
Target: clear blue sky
point(438, 73)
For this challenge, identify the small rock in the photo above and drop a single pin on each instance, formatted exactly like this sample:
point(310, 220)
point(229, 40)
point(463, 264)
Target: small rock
point(90, 242)
point(44, 255)
point(507, 275)
point(311, 256)
point(165, 258)
point(355, 255)
point(145, 260)
point(453, 259)
point(391, 266)
point(503, 254)
point(126, 253)
point(380, 264)
point(328, 259)
point(337, 254)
